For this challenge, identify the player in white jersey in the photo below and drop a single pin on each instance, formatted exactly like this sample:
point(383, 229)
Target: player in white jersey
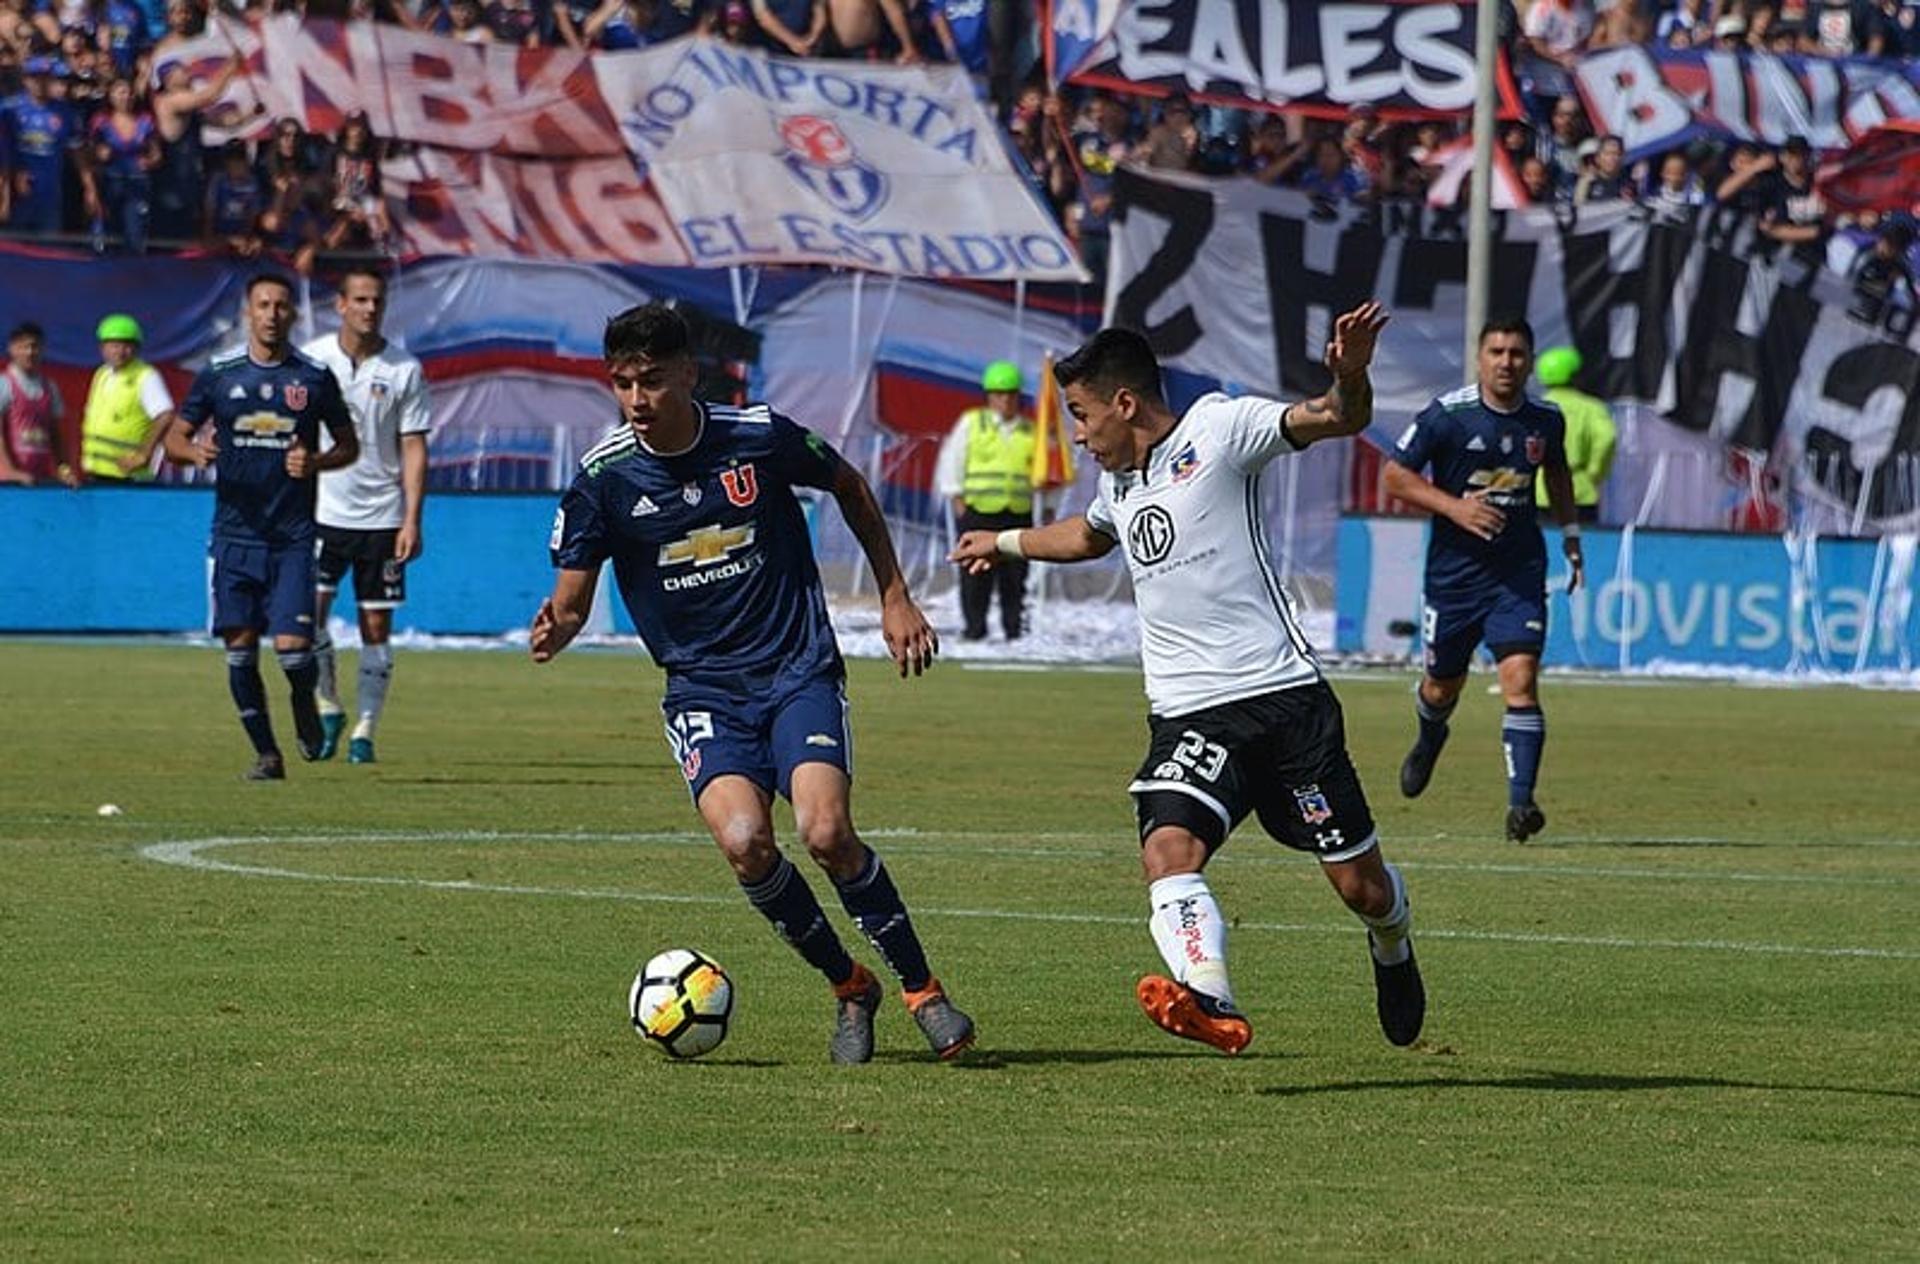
point(1242, 720)
point(369, 512)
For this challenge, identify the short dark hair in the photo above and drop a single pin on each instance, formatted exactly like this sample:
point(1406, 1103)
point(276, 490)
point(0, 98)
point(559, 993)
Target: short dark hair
point(363, 270)
point(1507, 325)
point(26, 329)
point(259, 279)
point(1111, 359)
point(652, 331)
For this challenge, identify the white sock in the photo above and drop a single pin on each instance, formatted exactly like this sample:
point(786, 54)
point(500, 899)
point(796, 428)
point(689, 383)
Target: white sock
point(1389, 933)
point(1190, 933)
point(326, 690)
point(376, 673)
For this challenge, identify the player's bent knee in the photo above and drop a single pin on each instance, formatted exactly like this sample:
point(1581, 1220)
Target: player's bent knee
point(1363, 885)
point(827, 836)
point(1172, 850)
point(747, 843)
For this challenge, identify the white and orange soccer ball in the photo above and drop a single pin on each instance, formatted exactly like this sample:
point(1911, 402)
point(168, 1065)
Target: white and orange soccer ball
point(680, 1003)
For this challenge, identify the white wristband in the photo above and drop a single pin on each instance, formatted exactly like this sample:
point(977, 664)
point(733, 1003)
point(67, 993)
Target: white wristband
point(1570, 532)
point(1007, 543)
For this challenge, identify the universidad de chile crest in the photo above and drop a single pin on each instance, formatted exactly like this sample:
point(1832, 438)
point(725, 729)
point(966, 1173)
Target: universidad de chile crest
point(822, 159)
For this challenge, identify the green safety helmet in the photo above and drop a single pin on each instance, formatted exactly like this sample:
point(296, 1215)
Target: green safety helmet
point(119, 327)
point(1001, 375)
point(1557, 366)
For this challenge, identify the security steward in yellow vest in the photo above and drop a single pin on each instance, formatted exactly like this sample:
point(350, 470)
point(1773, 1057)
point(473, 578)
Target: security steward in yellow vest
point(1591, 433)
point(128, 408)
point(986, 467)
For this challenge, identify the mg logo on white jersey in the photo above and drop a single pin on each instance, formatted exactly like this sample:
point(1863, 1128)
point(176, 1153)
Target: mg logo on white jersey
point(1150, 536)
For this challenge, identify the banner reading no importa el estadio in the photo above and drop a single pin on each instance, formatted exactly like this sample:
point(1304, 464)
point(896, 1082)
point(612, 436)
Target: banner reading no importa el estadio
point(897, 169)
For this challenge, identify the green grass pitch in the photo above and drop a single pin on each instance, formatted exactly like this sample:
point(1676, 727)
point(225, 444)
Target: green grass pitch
point(384, 1016)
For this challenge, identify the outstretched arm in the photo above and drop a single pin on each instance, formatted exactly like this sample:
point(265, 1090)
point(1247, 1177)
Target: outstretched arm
point(910, 638)
point(1347, 407)
point(1068, 540)
point(562, 615)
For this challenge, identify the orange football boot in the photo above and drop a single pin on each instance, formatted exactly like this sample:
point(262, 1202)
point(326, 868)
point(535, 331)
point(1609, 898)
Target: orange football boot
point(1193, 1015)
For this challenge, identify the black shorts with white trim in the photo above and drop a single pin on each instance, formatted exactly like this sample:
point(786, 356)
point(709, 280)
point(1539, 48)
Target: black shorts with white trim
point(1281, 756)
point(379, 578)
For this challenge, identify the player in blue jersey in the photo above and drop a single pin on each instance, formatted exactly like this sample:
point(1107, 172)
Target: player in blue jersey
point(693, 502)
point(254, 417)
point(1486, 577)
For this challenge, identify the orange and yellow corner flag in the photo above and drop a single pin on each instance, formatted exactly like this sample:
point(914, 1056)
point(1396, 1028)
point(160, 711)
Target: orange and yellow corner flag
point(1052, 449)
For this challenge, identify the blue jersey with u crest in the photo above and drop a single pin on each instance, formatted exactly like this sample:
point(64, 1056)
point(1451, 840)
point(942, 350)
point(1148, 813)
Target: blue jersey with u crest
point(709, 546)
point(258, 410)
point(1477, 450)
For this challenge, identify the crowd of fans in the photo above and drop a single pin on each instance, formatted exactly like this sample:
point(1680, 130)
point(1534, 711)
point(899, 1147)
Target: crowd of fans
point(100, 132)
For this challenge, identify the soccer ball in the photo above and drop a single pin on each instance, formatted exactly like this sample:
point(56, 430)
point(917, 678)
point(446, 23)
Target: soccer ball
point(680, 1002)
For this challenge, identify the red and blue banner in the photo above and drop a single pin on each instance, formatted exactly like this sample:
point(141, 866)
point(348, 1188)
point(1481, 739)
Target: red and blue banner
point(1656, 99)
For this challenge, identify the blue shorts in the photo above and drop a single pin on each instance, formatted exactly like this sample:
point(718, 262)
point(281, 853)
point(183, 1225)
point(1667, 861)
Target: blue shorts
point(1509, 619)
point(268, 589)
point(717, 731)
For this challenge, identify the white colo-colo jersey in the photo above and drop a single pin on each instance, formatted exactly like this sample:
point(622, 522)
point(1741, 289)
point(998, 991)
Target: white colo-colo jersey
point(387, 395)
point(1215, 625)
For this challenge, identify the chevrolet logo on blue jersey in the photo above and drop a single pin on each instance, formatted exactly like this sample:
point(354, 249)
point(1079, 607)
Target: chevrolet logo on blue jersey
point(263, 424)
point(704, 546)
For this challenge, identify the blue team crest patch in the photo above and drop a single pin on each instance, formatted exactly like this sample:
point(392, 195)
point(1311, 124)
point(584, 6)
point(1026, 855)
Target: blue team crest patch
point(1536, 449)
point(1186, 463)
point(821, 158)
point(690, 492)
point(1313, 805)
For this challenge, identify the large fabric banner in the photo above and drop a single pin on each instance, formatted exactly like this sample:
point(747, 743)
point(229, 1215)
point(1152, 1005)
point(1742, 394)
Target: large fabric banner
point(691, 153)
point(1725, 332)
point(1407, 60)
point(589, 210)
point(1881, 173)
point(412, 86)
point(763, 159)
point(1655, 99)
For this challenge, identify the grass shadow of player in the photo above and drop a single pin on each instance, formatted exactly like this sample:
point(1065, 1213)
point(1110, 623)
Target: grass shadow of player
point(495, 779)
point(1576, 1082)
point(1001, 1059)
point(604, 765)
point(1544, 844)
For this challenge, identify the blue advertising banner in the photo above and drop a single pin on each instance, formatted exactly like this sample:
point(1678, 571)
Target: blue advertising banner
point(1658, 599)
point(135, 560)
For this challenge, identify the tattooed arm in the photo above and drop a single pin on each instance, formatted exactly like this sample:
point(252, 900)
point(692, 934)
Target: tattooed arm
point(1347, 407)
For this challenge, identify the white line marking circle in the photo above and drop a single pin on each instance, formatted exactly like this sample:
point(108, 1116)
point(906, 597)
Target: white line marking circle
point(189, 854)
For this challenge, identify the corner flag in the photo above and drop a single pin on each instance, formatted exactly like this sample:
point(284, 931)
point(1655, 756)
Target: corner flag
point(1052, 450)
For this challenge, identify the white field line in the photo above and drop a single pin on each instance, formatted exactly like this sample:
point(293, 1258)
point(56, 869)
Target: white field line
point(1118, 844)
point(188, 853)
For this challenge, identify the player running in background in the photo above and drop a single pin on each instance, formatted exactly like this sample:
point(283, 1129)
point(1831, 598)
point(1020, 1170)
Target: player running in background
point(1242, 720)
point(369, 512)
point(1486, 560)
point(262, 408)
point(694, 504)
